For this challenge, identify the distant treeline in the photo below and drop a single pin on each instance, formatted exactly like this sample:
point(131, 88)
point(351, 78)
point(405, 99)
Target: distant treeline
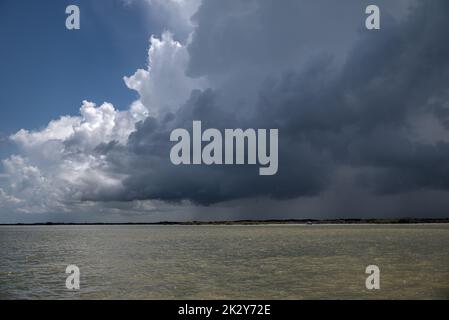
point(252, 222)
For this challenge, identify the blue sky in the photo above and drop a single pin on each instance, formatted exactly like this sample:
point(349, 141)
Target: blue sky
point(46, 70)
point(361, 132)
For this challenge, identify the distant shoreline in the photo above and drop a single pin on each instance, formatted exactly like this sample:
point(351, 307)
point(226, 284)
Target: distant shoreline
point(246, 222)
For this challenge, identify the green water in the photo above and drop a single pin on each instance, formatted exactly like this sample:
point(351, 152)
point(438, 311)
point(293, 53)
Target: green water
point(225, 262)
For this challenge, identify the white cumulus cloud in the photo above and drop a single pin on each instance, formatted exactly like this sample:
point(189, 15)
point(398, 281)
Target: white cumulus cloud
point(164, 86)
point(59, 167)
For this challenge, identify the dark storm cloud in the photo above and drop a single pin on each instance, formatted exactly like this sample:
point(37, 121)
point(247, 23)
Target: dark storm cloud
point(341, 96)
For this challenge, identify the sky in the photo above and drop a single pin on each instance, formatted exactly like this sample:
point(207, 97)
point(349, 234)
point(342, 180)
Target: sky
point(44, 72)
point(86, 115)
point(46, 65)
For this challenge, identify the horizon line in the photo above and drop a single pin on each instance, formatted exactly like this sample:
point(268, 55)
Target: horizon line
point(251, 222)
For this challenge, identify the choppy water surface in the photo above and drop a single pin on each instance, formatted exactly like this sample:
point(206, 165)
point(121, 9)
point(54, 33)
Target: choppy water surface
point(229, 262)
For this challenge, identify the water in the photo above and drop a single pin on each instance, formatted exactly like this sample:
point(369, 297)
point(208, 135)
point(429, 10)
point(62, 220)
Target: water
point(225, 262)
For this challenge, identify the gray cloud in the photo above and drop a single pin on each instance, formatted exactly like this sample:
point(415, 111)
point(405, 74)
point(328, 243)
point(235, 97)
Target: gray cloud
point(331, 112)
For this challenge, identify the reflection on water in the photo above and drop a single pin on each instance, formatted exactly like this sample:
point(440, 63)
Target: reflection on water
point(225, 262)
